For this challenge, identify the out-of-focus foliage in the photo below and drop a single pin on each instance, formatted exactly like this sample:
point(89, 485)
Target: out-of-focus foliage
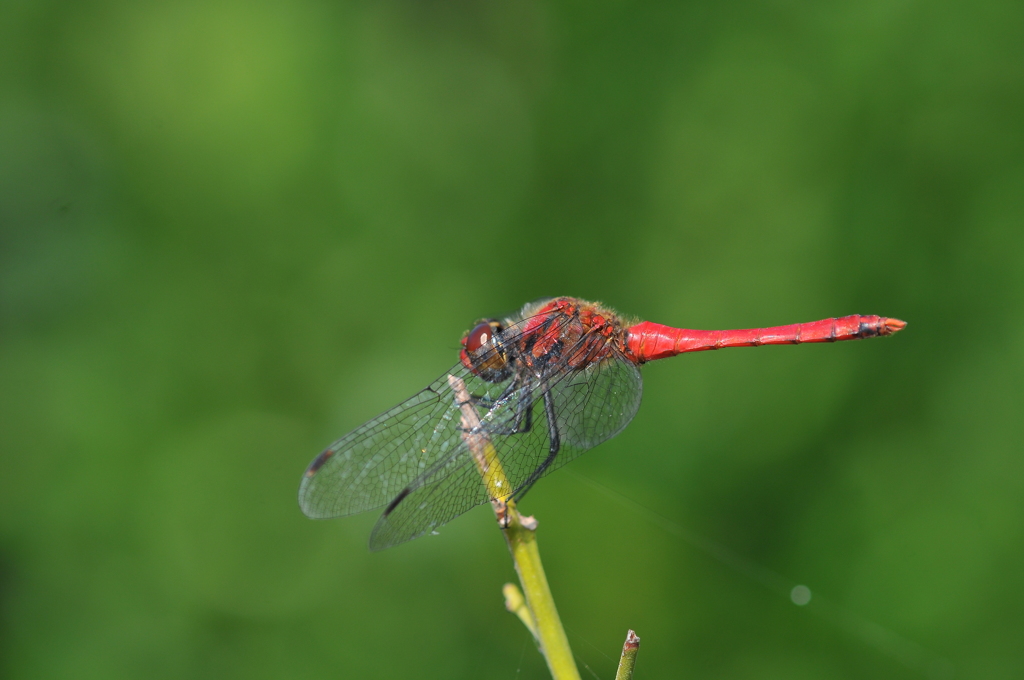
point(232, 231)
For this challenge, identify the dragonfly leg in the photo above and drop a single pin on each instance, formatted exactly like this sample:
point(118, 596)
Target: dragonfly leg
point(524, 419)
point(524, 415)
point(554, 445)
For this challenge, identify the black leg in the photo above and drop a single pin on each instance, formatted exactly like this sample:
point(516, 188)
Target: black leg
point(524, 413)
point(554, 445)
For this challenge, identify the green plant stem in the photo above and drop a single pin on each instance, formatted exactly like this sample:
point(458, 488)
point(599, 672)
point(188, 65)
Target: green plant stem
point(522, 543)
point(628, 659)
point(516, 603)
point(520, 534)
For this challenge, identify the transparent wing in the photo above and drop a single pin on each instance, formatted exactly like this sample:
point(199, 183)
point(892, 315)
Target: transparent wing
point(455, 485)
point(370, 466)
point(415, 442)
point(595, 404)
point(590, 405)
point(432, 503)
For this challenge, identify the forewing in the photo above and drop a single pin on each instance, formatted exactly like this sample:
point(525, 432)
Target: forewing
point(591, 406)
point(370, 466)
point(454, 485)
point(403, 449)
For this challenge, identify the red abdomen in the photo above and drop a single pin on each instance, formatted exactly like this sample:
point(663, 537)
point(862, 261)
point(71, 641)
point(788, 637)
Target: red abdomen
point(649, 341)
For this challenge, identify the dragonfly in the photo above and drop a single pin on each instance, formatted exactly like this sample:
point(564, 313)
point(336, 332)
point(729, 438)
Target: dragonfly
point(549, 383)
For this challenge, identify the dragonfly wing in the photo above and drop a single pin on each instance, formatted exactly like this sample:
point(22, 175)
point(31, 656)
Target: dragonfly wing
point(434, 500)
point(455, 485)
point(595, 404)
point(371, 465)
point(590, 405)
point(413, 456)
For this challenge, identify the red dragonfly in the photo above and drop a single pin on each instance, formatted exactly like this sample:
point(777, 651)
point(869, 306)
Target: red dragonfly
point(557, 379)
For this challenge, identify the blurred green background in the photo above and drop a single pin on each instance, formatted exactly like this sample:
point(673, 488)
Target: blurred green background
point(232, 231)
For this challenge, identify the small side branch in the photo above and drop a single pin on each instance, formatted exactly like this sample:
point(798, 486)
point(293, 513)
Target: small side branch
point(516, 603)
point(628, 659)
point(520, 535)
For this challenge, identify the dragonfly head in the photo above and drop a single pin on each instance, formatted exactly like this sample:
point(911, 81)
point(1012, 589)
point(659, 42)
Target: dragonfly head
point(483, 354)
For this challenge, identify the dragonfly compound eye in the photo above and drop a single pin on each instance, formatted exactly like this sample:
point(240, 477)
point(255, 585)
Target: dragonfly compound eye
point(482, 354)
point(481, 334)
